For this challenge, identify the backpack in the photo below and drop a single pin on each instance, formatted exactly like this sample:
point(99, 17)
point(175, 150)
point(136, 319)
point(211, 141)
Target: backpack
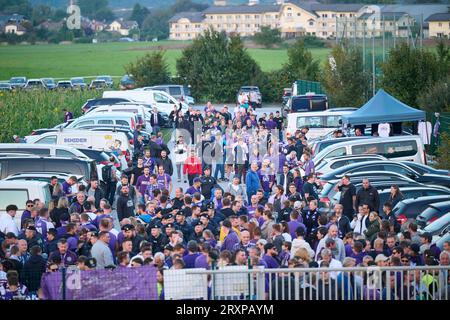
point(107, 173)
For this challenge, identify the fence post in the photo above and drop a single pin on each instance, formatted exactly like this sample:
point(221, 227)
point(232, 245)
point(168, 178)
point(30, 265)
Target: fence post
point(63, 275)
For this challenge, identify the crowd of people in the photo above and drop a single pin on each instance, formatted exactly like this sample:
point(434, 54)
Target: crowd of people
point(252, 200)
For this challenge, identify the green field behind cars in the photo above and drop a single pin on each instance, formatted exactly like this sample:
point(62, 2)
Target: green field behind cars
point(70, 60)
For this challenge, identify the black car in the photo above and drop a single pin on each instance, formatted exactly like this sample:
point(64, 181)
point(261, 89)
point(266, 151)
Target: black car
point(92, 103)
point(414, 191)
point(392, 166)
point(99, 156)
point(432, 213)
point(17, 164)
point(422, 168)
point(438, 227)
point(327, 202)
point(411, 208)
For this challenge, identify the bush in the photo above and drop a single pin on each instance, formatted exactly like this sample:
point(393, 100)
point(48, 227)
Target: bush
point(23, 111)
point(443, 155)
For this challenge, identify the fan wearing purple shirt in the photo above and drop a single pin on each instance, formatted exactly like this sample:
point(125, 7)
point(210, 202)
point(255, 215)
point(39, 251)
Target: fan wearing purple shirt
point(164, 180)
point(193, 254)
point(231, 238)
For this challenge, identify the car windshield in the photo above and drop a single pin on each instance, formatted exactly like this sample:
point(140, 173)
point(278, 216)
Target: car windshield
point(106, 78)
point(48, 81)
point(17, 80)
point(438, 224)
point(77, 80)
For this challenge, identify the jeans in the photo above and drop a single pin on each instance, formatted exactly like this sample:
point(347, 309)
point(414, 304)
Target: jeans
point(111, 191)
point(156, 129)
point(219, 168)
point(180, 171)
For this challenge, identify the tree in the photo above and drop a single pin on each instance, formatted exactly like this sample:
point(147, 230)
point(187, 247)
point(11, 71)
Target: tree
point(156, 24)
point(139, 13)
point(301, 64)
point(343, 77)
point(408, 71)
point(216, 66)
point(443, 55)
point(268, 37)
point(149, 70)
point(443, 155)
point(40, 14)
point(436, 98)
point(96, 9)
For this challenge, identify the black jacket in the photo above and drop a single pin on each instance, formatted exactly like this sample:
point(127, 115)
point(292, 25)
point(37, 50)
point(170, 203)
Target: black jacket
point(32, 272)
point(368, 196)
point(98, 195)
point(125, 207)
point(160, 119)
point(166, 164)
point(290, 179)
point(344, 226)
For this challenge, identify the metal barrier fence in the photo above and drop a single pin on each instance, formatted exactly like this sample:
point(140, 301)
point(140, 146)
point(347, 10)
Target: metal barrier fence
point(373, 283)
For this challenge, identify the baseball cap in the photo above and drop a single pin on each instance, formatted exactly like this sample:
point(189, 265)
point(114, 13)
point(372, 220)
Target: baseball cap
point(381, 257)
point(197, 180)
point(198, 223)
point(168, 216)
point(297, 204)
point(168, 247)
point(32, 228)
point(91, 263)
point(169, 225)
point(269, 246)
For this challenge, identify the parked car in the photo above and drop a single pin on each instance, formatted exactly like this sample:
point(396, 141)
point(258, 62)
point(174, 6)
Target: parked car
point(331, 164)
point(141, 111)
point(319, 123)
point(440, 240)
point(408, 192)
point(45, 177)
point(98, 85)
point(123, 129)
point(92, 103)
point(108, 80)
point(35, 84)
point(17, 164)
point(319, 145)
point(433, 212)
point(438, 227)
point(183, 93)
point(19, 192)
point(115, 118)
point(64, 85)
point(127, 83)
point(326, 203)
point(251, 90)
point(78, 83)
point(307, 102)
point(423, 168)
point(412, 207)
point(399, 148)
point(5, 86)
point(18, 82)
point(49, 83)
point(392, 166)
point(42, 150)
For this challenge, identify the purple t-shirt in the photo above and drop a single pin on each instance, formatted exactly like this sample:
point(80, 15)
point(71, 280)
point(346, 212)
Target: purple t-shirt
point(293, 225)
point(163, 181)
point(192, 190)
point(201, 262)
point(266, 179)
point(149, 190)
point(189, 260)
point(142, 183)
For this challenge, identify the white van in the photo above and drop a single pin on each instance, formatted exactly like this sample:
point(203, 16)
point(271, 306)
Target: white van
point(99, 140)
point(319, 123)
point(42, 150)
point(159, 99)
point(127, 119)
point(399, 148)
point(18, 192)
point(142, 112)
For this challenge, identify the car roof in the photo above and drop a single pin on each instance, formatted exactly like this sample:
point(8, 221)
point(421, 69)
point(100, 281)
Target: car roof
point(356, 156)
point(423, 199)
point(34, 156)
point(443, 206)
point(428, 187)
point(45, 174)
point(25, 183)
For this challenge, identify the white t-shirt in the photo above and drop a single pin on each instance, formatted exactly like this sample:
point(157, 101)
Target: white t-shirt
point(7, 224)
point(384, 129)
point(424, 131)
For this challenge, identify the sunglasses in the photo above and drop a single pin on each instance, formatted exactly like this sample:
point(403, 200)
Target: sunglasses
point(29, 205)
point(406, 261)
point(53, 269)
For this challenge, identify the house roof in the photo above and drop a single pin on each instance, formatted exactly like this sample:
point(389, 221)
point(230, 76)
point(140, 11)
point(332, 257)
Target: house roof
point(128, 24)
point(191, 16)
point(387, 16)
point(258, 8)
point(439, 17)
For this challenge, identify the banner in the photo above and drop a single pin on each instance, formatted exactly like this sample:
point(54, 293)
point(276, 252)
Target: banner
point(117, 284)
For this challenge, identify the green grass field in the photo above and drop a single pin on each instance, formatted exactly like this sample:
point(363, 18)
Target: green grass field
point(70, 60)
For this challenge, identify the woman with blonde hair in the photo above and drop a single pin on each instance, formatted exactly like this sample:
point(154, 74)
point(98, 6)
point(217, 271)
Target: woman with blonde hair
point(374, 226)
point(302, 255)
point(62, 208)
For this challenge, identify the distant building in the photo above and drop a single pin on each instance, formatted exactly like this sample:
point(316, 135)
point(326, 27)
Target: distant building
point(14, 28)
point(439, 25)
point(300, 18)
point(122, 27)
point(51, 26)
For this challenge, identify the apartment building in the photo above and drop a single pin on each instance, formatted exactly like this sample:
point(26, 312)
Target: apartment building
point(298, 18)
